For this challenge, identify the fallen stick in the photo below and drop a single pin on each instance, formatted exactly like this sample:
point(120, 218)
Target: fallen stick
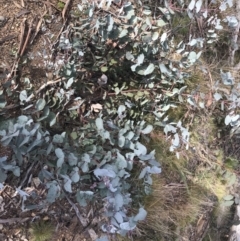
point(234, 39)
point(13, 220)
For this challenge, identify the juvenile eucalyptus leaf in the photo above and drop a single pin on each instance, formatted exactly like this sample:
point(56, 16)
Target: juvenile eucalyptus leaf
point(228, 203)
point(16, 171)
point(40, 104)
point(85, 167)
point(123, 33)
point(99, 123)
point(140, 59)
point(163, 37)
point(147, 130)
point(110, 23)
point(53, 191)
point(140, 149)
point(121, 141)
point(198, 5)
point(118, 201)
point(3, 175)
point(192, 4)
point(155, 170)
point(228, 197)
point(23, 95)
point(49, 149)
point(58, 138)
point(83, 197)
point(60, 162)
point(86, 158)
point(129, 56)
point(51, 118)
point(74, 175)
point(127, 226)
point(22, 120)
point(227, 78)
point(59, 153)
point(72, 159)
point(142, 213)
point(117, 216)
point(121, 161)
point(69, 83)
point(67, 183)
point(155, 36)
point(104, 172)
point(150, 68)
point(228, 120)
point(143, 173)
point(217, 96)
point(121, 111)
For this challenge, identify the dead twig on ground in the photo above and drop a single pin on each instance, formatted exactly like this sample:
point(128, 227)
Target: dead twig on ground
point(80, 217)
point(26, 175)
point(234, 46)
point(39, 24)
point(65, 9)
point(7, 38)
point(27, 38)
point(13, 220)
point(22, 29)
point(47, 84)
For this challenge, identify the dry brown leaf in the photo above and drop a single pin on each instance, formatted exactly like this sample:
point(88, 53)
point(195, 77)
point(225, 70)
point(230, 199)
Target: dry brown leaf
point(209, 99)
point(196, 98)
point(22, 3)
point(96, 107)
point(17, 5)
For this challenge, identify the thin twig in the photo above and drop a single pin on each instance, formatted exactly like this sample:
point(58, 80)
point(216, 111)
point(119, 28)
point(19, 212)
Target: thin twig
point(235, 35)
point(26, 175)
point(38, 27)
point(13, 220)
point(22, 28)
point(47, 84)
point(80, 217)
point(27, 38)
point(65, 9)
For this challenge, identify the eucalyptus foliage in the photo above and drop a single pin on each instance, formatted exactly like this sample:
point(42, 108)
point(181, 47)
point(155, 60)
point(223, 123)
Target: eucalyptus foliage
point(96, 167)
point(121, 65)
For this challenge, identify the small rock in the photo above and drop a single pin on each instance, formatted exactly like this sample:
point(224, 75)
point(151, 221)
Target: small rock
point(2, 19)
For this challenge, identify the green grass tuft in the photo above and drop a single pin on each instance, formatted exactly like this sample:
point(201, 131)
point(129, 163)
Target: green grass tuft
point(42, 231)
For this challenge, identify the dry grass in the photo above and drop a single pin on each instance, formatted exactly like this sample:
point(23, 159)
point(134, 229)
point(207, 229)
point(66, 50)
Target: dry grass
point(176, 201)
point(186, 187)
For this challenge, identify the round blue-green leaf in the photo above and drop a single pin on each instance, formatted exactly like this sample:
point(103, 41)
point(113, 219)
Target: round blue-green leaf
point(147, 130)
point(123, 33)
point(23, 95)
point(59, 153)
point(228, 197)
point(40, 104)
point(99, 123)
point(228, 203)
point(155, 36)
point(142, 213)
point(52, 118)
